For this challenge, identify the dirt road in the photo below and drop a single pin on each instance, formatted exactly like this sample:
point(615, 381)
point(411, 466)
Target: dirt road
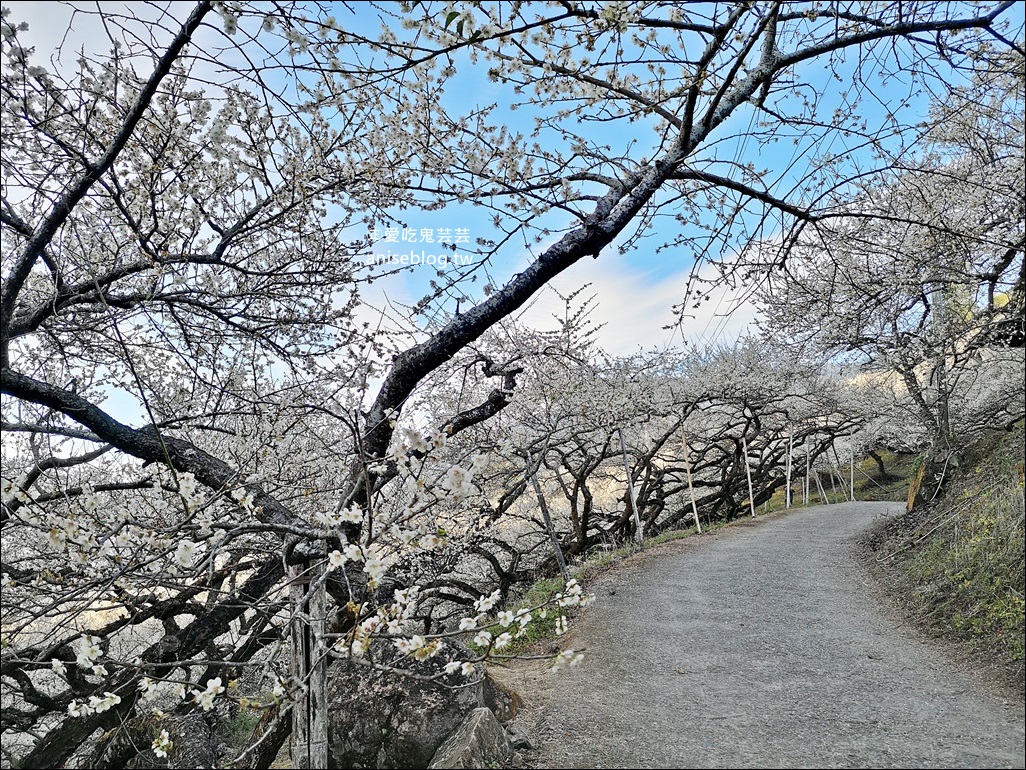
point(761, 646)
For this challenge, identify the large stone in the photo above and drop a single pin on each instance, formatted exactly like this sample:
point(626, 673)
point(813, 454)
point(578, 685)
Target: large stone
point(385, 720)
point(503, 702)
point(479, 742)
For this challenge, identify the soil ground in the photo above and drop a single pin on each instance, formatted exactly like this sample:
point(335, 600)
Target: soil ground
point(763, 645)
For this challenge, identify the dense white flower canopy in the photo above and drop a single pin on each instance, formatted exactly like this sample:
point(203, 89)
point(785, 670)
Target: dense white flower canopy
point(211, 397)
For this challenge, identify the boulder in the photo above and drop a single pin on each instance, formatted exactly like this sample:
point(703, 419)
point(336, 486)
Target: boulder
point(479, 742)
point(386, 720)
point(503, 702)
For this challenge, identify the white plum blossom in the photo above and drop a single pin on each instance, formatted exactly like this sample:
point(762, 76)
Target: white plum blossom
point(458, 482)
point(76, 709)
point(486, 603)
point(336, 560)
point(105, 702)
point(329, 519)
point(187, 484)
point(430, 542)
point(185, 553)
point(162, 744)
point(352, 515)
point(415, 441)
point(56, 538)
point(88, 651)
point(280, 689)
point(244, 498)
point(483, 639)
point(405, 536)
point(375, 566)
point(205, 698)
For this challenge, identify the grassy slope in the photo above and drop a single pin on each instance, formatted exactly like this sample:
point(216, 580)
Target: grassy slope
point(956, 566)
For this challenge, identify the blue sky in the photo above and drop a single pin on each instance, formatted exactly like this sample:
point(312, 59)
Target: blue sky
point(635, 291)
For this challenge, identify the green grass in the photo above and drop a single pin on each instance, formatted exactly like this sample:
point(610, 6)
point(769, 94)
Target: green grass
point(240, 727)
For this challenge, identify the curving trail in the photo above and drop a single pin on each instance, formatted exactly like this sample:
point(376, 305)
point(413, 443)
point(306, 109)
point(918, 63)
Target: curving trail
point(760, 646)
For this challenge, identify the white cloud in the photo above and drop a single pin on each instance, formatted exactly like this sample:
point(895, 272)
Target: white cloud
point(65, 30)
point(635, 305)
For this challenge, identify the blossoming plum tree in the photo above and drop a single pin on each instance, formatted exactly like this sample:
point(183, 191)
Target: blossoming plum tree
point(919, 278)
point(198, 412)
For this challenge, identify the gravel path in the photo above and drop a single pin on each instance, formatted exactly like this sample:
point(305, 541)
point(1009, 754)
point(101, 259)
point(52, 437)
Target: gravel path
point(759, 646)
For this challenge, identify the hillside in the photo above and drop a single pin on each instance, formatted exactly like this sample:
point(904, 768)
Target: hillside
point(956, 566)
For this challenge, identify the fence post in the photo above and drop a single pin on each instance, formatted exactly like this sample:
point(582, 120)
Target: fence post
point(309, 745)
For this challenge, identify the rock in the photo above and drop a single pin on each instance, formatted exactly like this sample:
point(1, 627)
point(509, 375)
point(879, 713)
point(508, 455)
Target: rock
point(385, 720)
point(479, 742)
point(519, 738)
point(503, 702)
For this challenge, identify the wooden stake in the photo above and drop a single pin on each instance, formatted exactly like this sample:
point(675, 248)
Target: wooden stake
point(691, 487)
point(808, 471)
point(639, 533)
point(309, 667)
point(852, 478)
point(790, 466)
point(822, 492)
point(748, 472)
point(549, 528)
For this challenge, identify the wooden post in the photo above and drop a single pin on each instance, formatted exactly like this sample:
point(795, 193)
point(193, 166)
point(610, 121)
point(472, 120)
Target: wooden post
point(790, 467)
point(639, 533)
point(840, 476)
point(748, 472)
point(309, 667)
point(822, 492)
point(691, 487)
point(548, 527)
point(852, 477)
point(808, 477)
